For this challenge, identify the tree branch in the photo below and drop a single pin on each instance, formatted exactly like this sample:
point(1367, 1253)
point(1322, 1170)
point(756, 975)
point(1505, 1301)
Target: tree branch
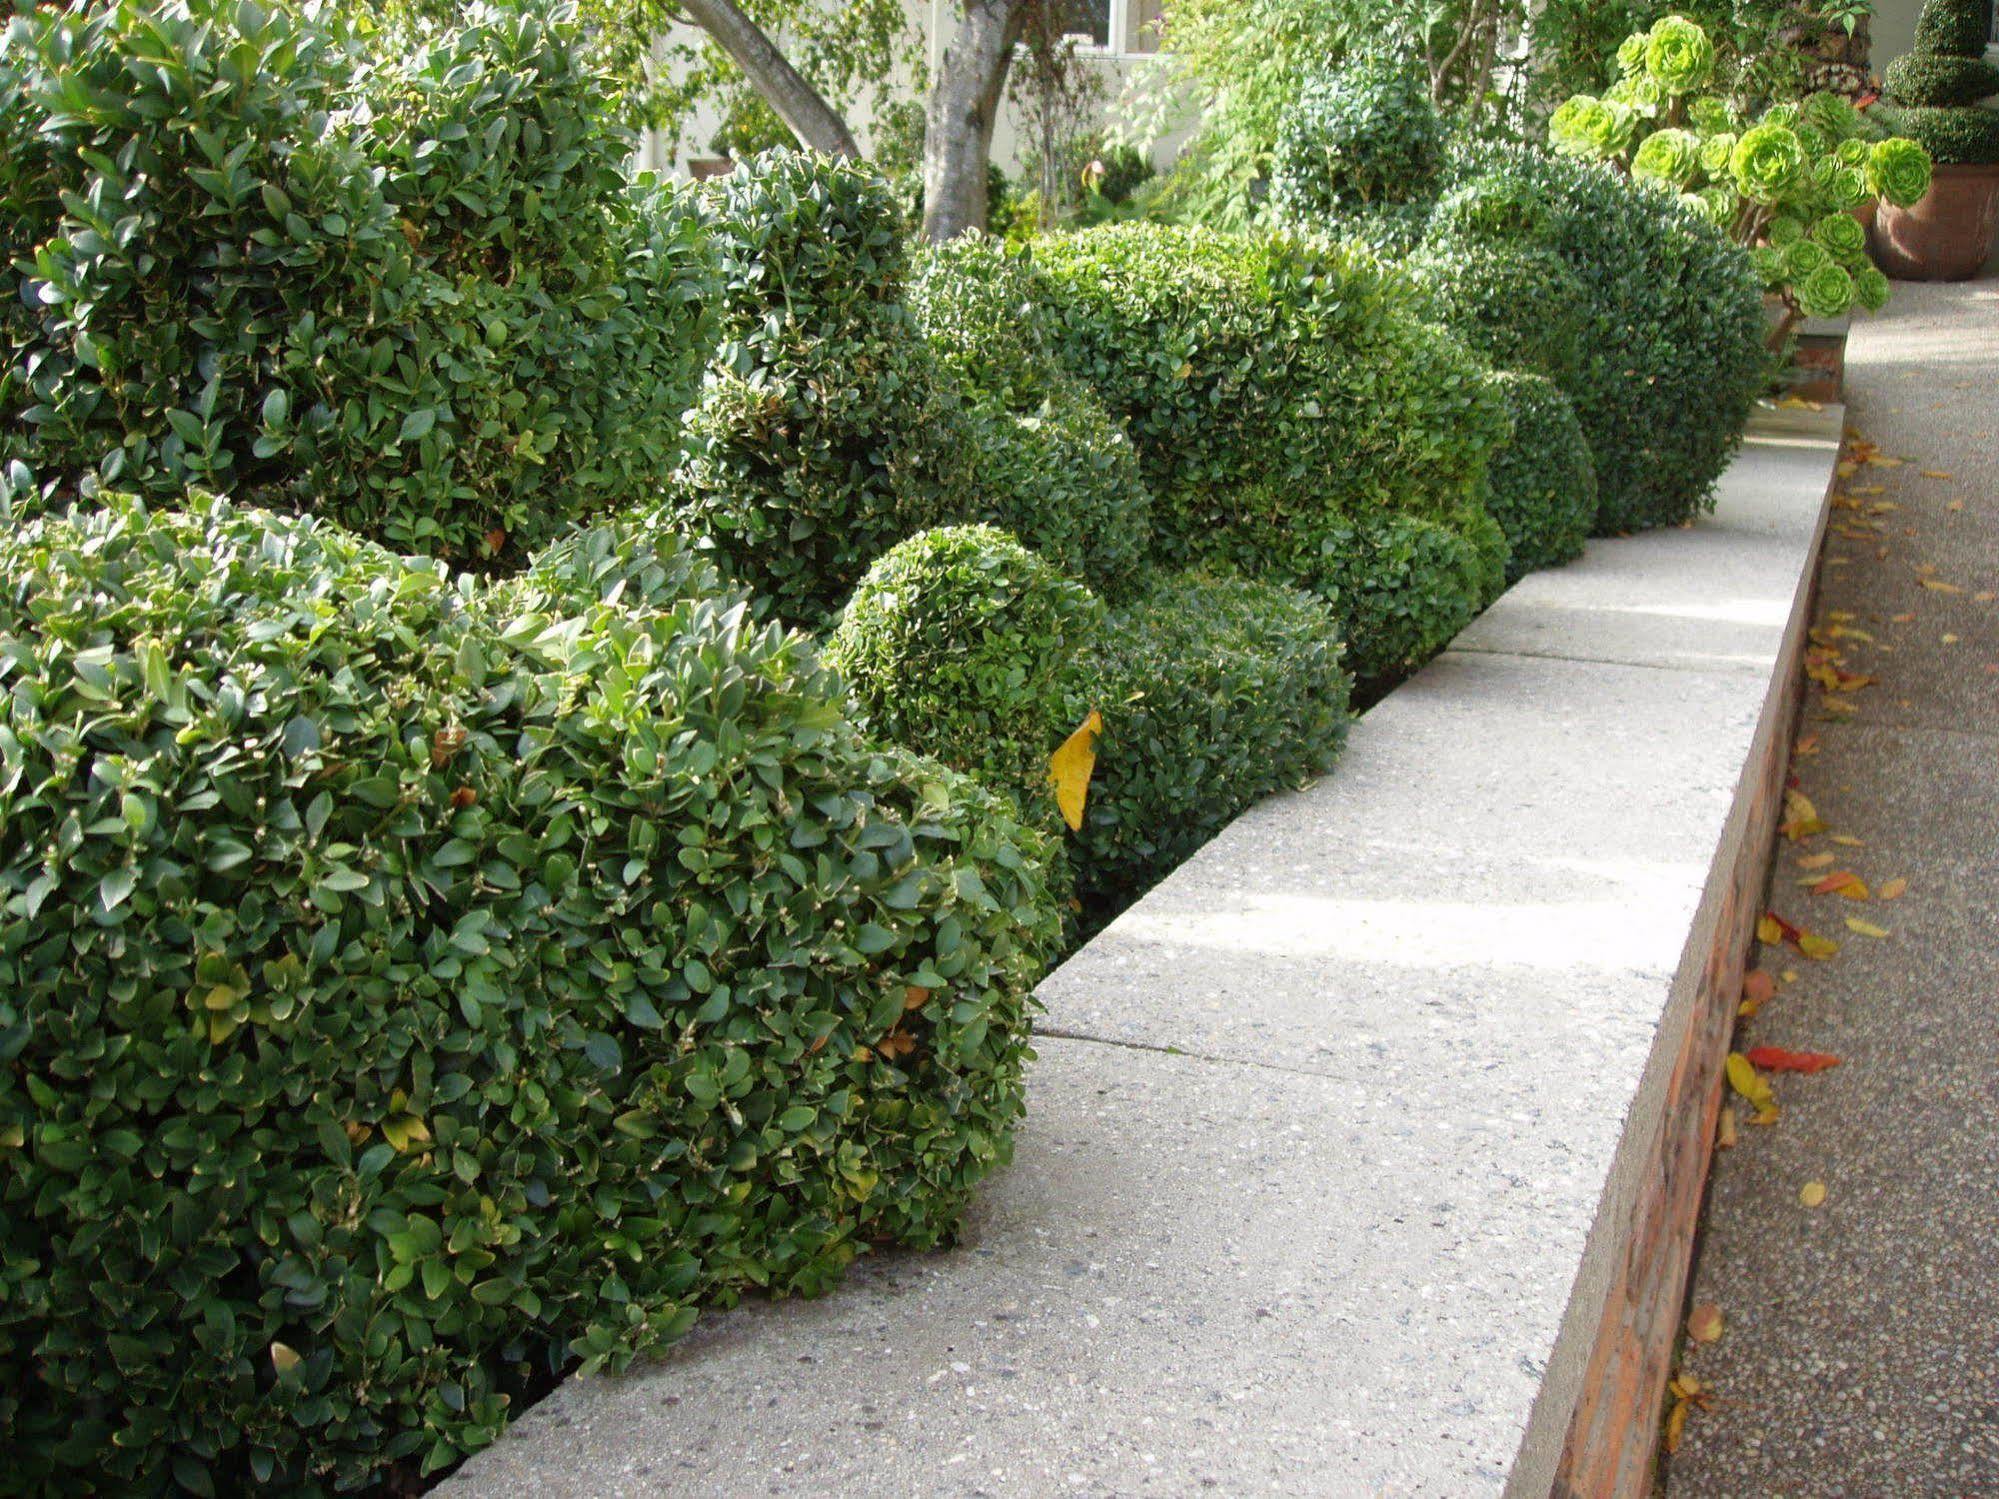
point(796, 102)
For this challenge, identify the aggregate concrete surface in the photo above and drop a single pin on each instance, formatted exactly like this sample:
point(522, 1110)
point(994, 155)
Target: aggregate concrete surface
point(1860, 1344)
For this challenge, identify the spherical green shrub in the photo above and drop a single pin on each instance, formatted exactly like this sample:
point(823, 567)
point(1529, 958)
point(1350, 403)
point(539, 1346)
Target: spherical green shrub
point(960, 640)
point(827, 430)
point(405, 988)
point(1050, 464)
point(1519, 306)
point(1276, 362)
point(1933, 79)
point(1064, 480)
point(1214, 692)
point(1402, 585)
point(398, 280)
point(1542, 483)
point(1673, 356)
point(1357, 137)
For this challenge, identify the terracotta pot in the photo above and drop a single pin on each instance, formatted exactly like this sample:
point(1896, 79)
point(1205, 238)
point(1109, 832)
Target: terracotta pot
point(1946, 237)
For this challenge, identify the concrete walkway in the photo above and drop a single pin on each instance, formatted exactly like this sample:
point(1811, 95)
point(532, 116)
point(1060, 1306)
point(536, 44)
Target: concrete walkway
point(1860, 1350)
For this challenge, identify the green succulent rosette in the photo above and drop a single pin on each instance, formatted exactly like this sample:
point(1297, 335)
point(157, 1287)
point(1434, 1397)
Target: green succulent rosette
point(1631, 55)
point(1668, 156)
point(1840, 187)
point(1717, 206)
point(1831, 116)
point(1643, 95)
point(1679, 55)
point(1785, 230)
point(1842, 235)
point(1767, 162)
point(1715, 153)
point(1803, 258)
point(1588, 126)
point(1711, 116)
point(1780, 114)
point(1852, 153)
point(1814, 141)
point(1870, 288)
point(1899, 170)
point(1768, 263)
point(1827, 292)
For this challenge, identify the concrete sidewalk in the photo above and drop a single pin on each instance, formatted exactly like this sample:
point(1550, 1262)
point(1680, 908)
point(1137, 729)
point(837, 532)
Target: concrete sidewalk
point(1860, 1351)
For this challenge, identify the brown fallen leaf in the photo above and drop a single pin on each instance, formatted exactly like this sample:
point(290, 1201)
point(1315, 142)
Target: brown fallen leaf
point(1843, 882)
point(1937, 585)
point(1934, 473)
point(1757, 985)
point(1847, 840)
point(1892, 889)
point(1816, 861)
point(1704, 1323)
point(1724, 1130)
point(1777, 1059)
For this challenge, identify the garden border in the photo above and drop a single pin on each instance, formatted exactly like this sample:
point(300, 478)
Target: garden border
point(1364, 1153)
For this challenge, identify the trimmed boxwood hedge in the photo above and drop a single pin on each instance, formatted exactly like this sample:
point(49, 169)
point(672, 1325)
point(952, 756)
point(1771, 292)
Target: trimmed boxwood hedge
point(1358, 138)
point(1214, 691)
point(397, 281)
point(1051, 465)
point(1672, 341)
point(1953, 137)
point(1935, 79)
point(405, 988)
point(1543, 483)
point(959, 640)
point(1521, 307)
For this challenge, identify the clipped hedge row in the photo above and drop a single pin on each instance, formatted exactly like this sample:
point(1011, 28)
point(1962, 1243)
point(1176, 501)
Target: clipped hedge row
point(1543, 484)
point(1672, 333)
point(405, 987)
point(401, 283)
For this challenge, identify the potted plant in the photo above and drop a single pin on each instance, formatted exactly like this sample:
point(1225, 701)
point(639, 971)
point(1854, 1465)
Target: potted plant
point(1933, 96)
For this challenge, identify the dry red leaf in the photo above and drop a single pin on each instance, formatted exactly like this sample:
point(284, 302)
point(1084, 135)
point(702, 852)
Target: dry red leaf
point(1777, 1059)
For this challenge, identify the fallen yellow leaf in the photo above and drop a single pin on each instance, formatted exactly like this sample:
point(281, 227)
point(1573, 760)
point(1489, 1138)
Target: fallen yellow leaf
point(1937, 585)
point(1893, 889)
point(1724, 1130)
point(1814, 946)
point(1704, 1323)
point(1934, 473)
point(1864, 928)
point(1070, 767)
point(1847, 840)
point(1816, 861)
point(1811, 1194)
point(1751, 1084)
point(1768, 931)
point(1676, 1424)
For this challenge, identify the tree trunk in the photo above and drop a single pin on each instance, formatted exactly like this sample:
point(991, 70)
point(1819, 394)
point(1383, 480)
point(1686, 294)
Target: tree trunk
point(796, 102)
point(964, 104)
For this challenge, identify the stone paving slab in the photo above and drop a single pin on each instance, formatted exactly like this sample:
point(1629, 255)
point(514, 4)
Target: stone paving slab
point(1319, 1191)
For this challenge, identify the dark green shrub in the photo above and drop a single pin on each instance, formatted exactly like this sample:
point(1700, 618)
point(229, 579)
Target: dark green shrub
point(1126, 170)
point(1051, 465)
point(1957, 28)
point(1953, 137)
point(1542, 485)
point(1289, 365)
point(404, 988)
point(397, 282)
point(1065, 481)
point(1214, 692)
point(1389, 230)
point(1672, 344)
point(1521, 307)
point(1939, 80)
point(1358, 137)
point(1403, 585)
point(827, 431)
point(960, 640)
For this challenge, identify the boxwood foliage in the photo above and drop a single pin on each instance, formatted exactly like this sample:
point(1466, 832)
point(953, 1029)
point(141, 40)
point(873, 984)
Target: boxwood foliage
point(1357, 139)
point(1543, 483)
point(960, 640)
point(827, 430)
point(1521, 307)
point(400, 282)
point(1283, 361)
point(1967, 136)
point(1215, 691)
point(1672, 337)
point(405, 987)
point(1052, 466)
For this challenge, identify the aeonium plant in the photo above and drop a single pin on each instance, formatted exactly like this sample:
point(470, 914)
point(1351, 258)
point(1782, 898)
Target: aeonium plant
point(1789, 186)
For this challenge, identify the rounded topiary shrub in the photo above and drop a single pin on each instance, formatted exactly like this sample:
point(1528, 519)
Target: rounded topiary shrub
point(1953, 137)
point(1542, 484)
point(1288, 364)
point(1935, 79)
point(1358, 138)
point(1958, 28)
point(1521, 307)
point(960, 640)
point(1672, 337)
point(1065, 480)
point(1214, 692)
point(976, 300)
point(397, 280)
point(1403, 585)
point(408, 989)
point(827, 430)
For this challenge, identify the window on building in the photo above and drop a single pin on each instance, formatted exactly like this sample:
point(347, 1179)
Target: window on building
point(1123, 28)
